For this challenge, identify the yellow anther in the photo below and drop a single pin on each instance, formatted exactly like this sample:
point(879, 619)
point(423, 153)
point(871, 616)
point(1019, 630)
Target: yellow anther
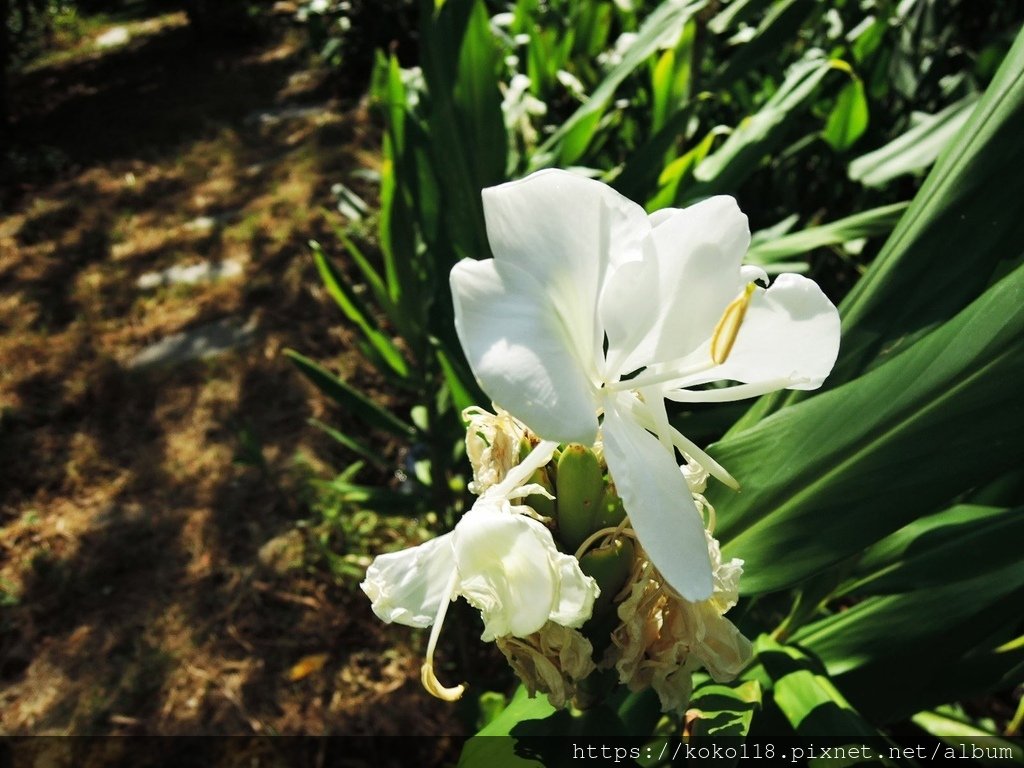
point(729, 325)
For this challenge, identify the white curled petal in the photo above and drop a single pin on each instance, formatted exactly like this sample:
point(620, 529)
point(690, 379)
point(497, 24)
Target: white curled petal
point(520, 351)
point(699, 250)
point(505, 571)
point(790, 332)
point(576, 591)
point(407, 587)
point(659, 504)
point(565, 230)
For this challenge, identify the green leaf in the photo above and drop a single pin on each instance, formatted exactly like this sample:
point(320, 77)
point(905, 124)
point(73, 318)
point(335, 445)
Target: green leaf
point(814, 706)
point(372, 277)
point(734, 12)
point(777, 29)
point(848, 119)
point(759, 134)
point(870, 223)
point(680, 169)
point(724, 711)
point(958, 543)
point(966, 740)
point(917, 644)
point(350, 304)
point(455, 377)
point(377, 499)
point(495, 745)
point(950, 575)
point(667, 18)
point(644, 165)
point(915, 150)
point(828, 477)
point(521, 708)
point(965, 217)
point(351, 443)
point(354, 401)
point(478, 100)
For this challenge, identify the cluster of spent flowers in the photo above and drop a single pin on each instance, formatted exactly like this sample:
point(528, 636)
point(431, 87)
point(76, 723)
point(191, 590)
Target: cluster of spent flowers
point(561, 583)
point(589, 545)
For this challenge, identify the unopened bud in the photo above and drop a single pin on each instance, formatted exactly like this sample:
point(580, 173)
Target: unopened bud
point(579, 489)
point(610, 511)
point(610, 566)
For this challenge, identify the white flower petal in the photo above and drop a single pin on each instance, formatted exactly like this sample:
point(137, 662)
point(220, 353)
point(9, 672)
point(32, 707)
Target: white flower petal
point(627, 311)
point(565, 230)
point(789, 333)
point(659, 504)
point(699, 250)
point(576, 592)
point(407, 586)
point(507, 569)
point(520, 351)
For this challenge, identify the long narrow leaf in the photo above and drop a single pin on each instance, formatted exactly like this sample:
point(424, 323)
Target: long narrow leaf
point(962, 228)
point(668, 18)
point(350, 304)
point(916, 149)
point(865, 224)
point(354, 401)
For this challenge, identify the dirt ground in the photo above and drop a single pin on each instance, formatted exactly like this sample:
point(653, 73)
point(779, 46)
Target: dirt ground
point(138, 592)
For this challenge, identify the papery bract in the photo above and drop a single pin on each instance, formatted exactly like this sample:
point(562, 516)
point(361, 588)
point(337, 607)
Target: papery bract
point(592, 307)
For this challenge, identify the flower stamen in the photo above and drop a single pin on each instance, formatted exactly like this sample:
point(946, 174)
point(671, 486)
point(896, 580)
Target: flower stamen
point(427, 675)
point(728, 326)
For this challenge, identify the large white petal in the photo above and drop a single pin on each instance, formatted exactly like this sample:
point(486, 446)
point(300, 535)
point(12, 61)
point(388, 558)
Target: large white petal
point(628, 311)
point(407, 586)
point(520, 350)
point(699, 250)
point(565, 230)
point(658, 502)
point(790, 334)
point(505, 571)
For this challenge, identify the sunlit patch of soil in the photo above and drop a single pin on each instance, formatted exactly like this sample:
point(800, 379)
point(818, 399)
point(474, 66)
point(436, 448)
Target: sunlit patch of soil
point(136, 501)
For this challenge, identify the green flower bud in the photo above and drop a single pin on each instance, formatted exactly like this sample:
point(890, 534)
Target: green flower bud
point(610, 566)
point(542, 505)
point(610, 511)
point(579, 491)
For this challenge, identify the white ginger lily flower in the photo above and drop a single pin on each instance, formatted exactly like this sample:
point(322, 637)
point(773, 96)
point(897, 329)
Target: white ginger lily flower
point(591, 306)
point(499, 558)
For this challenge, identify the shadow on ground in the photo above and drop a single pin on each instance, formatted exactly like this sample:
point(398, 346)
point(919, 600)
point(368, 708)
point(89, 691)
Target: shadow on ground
point(138, 502)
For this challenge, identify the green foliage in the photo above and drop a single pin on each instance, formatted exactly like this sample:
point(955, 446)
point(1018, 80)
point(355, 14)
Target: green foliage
point(880, 519)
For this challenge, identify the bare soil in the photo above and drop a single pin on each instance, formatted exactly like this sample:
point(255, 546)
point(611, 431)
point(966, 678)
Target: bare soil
point(134, 503)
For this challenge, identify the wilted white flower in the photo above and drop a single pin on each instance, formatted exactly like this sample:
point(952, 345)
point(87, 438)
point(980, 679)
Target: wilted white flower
point(502, 561)
point(592, 314)
point(493, 441)
point(552, 661)
point(664, 638)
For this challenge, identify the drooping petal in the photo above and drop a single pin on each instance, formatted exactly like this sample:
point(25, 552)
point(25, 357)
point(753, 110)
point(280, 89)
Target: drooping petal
point(658, 503)
point(576, 592)
point(407, 587)
point(511, 571)
point(699, 250)
point(789, 334)
point(520, 350)
point(565, 230)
